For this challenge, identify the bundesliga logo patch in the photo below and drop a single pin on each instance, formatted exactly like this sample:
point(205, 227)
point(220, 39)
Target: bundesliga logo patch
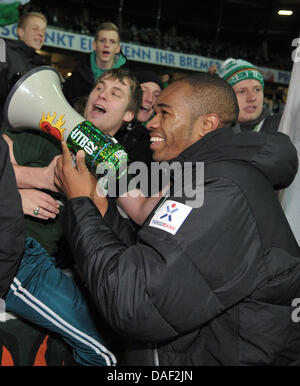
point(170, 216)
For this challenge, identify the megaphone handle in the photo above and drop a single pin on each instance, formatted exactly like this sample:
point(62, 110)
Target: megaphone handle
point(99, 147)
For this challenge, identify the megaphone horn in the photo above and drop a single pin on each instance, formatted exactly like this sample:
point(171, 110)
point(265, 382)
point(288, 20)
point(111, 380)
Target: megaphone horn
point(36, 101)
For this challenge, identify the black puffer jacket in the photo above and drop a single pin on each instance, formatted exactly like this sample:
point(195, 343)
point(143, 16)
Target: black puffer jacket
point(20, 59)
point(211, 285)
point(12, 234)
point(265, 122)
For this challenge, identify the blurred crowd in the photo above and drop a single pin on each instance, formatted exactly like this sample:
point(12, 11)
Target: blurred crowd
point(167, 39)
point(274, 105)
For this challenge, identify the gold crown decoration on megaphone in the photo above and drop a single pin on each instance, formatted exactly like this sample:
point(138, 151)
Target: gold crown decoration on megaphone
point(36, 101)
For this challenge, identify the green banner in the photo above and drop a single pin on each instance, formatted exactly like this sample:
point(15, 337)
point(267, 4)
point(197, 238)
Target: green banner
point(9, 13)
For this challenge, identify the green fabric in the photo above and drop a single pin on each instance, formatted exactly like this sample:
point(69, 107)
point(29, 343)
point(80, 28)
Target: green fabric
point(34, 148)
point(37, 149)
point(9, 13)
point(236, 70)
point(119, 61)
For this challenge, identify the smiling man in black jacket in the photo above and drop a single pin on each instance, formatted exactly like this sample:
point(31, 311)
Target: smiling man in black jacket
point(207, 284)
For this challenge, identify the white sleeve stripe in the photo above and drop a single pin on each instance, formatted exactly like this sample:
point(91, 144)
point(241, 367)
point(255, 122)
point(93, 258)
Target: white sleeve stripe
point(38, 306)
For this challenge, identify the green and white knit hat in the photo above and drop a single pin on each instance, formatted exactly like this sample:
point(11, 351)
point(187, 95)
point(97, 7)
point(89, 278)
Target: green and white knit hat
point(236, 70)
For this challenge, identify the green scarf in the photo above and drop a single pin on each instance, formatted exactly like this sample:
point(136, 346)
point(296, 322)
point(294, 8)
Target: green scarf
point(119, 60)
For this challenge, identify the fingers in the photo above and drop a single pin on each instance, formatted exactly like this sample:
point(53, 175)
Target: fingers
point(74, 181)
point(59, 164)
point(57, 183)
point(67, 157)
point(46, 210)
point(80, 161)
point(39, 204)
point(52, 164)
point(49, 204)
point(61, 160)
point(54, 189)
point(43, 214)
point(54, 160)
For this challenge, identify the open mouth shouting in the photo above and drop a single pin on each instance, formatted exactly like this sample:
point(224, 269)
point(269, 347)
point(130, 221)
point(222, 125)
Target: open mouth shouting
point(105, 54)
point(99, 109)
point(146, 108)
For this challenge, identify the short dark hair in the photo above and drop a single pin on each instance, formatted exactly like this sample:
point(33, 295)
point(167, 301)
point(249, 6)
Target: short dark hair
point(23, 18)
point(107, 26)
point(212, 95)
point(136, 93)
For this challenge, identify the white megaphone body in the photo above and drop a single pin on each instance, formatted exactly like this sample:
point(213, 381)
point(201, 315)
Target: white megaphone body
point(36, 101)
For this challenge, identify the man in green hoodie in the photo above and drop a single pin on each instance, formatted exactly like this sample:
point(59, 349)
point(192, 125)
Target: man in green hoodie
point(105, 56)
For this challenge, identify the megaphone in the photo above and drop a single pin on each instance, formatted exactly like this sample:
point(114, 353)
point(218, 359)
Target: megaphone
point(36, 101)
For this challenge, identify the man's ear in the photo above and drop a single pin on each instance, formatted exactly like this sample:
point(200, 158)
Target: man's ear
point(129, 115)
point(94, 45)
point(207, 123)
point(20, 33)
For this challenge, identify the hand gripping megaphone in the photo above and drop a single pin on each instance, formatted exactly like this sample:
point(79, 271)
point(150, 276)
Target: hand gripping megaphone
point(36, 101)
